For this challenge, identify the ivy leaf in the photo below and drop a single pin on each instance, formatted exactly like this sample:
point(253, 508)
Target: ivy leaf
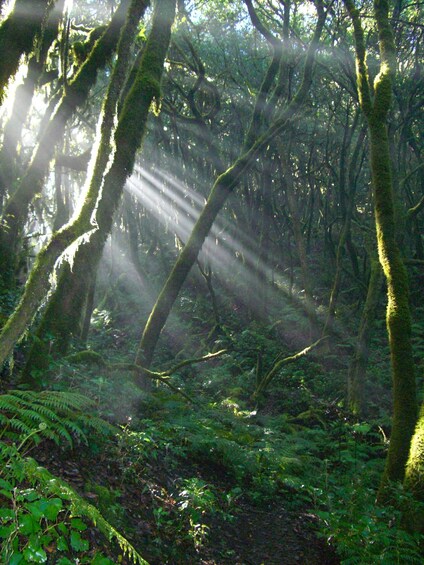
point(29, 494)
point(52, 508)
point(6, 531)
point(16, 558)
point(6, 514)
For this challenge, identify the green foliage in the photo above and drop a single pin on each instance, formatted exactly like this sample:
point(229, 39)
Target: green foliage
point(223, 437)
point(360, 530)
point(193, 502)
point(47, 516)
point(364, 532)
point(54, 415)
point(41, 513)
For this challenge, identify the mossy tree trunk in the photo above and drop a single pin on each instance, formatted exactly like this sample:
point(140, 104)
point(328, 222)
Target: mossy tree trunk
point(375, 102)
point(22, 102)
point(128, 136)
point(414, 477)
point(222, 188)
point(17, 34)
point(62, 317)
point(16, 210)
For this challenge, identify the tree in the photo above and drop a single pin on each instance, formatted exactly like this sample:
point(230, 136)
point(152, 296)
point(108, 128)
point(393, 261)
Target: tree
point(31, 184)
point(375, 100)
point(127, 138)
point(222, 188)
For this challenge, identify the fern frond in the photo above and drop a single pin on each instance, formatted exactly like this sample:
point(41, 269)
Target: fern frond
point(74, 428)
point(65, 400)
point(8, 402)
point(62, 415)
point(97, 424)
point(79, 506)
point(31, 415)
point(20, 426)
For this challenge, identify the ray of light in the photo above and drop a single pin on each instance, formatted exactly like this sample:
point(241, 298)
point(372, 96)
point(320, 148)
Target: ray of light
point(255, 279)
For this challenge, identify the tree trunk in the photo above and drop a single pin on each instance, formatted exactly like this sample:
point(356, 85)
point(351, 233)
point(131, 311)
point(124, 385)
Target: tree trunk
point(358, 366)
point(222, 188)
point(414, 478)
point(16, 210)
point(128, 137)
point(22, 103)
point(17, 35)
point(398, 316)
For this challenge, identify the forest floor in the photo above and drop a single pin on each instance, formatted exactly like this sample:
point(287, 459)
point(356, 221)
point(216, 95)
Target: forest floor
point(275, 532)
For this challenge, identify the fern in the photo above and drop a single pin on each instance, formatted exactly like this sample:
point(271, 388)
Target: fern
point(52, 485)
point(56, 416)
point(28, 415)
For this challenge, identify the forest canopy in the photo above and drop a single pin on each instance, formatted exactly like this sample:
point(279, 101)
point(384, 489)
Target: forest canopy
point(211, 281)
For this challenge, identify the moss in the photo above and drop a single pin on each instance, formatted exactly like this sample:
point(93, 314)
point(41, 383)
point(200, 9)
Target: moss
point(82, 49)
point(17, 35)
point(414, 478)
point(383, 94)
point(62, 317)
point(87, 356)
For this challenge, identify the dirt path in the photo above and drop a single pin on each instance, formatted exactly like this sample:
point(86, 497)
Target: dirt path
point(257, 535)
point(269, 536)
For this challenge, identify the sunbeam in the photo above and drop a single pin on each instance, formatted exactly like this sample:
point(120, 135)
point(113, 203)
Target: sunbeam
point(256, 283)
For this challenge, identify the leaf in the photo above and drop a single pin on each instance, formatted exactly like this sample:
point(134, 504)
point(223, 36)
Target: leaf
point(100, 559)
point(30, 494)
point(77, 542)
point(35, 554)
point(62, 544)
point(5, 484)
point(28, 525)
point(363, 428)
point(52, 508)
point(62, 528)
point(5, 531)
point(16, 558)
point(6, 494)
point(78, 524)
point(6, 514)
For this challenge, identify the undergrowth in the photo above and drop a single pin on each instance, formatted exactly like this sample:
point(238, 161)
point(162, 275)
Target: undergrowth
point(42, 519)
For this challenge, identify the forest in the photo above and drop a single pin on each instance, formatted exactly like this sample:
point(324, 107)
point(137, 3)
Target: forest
point(211, 282)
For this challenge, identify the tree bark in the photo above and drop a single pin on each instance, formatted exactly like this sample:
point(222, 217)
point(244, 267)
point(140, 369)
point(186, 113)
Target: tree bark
point(358, 366)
